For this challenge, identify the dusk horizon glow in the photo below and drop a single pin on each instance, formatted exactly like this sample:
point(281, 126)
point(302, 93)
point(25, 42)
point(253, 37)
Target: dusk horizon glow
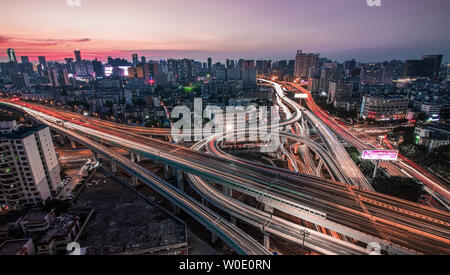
point(233, 29)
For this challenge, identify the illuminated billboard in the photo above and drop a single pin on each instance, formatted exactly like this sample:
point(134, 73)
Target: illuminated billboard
point(388, 155)
point(301, 96)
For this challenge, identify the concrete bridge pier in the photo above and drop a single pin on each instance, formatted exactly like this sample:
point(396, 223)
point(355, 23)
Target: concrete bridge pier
point(95, 154)
point(72, 144)
point(228, 191)
point(134, 181)
point(113, 168)
point(180, 184)
point(267, 240)
point(267, 209)
point(233, 219)
point(213, 237)
point(176, 209)
point(61, 139)
point(166, 171)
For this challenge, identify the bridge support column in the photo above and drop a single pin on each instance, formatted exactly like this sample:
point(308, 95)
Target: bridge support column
point(134, 181)
point(95, 156)
point(72, 144)
point(180, 184)
point(228, 191)
point(267, 240)
point(113, 168)
point(213, 237)
point(233, 219)
point(166, 171)
point(138, 158)
point(268, 209)
point(176, 209)
point(61, 139)
point(132, 157)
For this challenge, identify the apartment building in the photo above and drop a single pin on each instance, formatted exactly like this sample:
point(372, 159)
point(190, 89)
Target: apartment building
point(29, 168)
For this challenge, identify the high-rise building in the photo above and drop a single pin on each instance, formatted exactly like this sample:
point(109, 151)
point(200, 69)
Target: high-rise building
point(11, 55)
point(209, 64)
point(135, 59)
point(384, 108)
point(29, 168)
point(25, 59)
point(42, 62)
point(371, 74)
point(143, 59)
point(98, 67)
point(303, 62)
point(53, 77)
point(339, 93)
point(428, 66)
point(249, 78)
point(69, 64)
point(78, 56)
point(63, 77)
point(21, 81)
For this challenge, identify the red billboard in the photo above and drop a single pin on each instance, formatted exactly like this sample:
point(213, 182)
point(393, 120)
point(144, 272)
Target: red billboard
point(388, 155)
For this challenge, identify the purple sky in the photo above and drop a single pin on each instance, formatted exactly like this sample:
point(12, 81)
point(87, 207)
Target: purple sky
point(275, 29)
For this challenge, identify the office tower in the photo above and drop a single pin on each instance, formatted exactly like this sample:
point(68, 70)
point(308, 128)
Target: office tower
point(249, 78)
point(77, 56)
point(326, 76)
point(303, 62)
point(339, 92)
point(313, 85)
point(21, 81)
point(42, 62)
point(26, 66)
point(53, 77)
point(69, 64)
point(228, 64)
point(384, 108)
point(209, 64)
point(29, 169)
point(25, 59)
point(371, 74)
point(428, 66)
point(143, 59)
point(63, 77)
point(432, 65)
point(135, 59)
point(247, 64)
point(11, 55)
point(99, 70)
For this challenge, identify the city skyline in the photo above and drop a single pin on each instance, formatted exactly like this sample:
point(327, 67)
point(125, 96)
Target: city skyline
point(250, 30)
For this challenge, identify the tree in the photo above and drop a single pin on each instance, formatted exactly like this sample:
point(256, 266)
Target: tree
point(400, 187)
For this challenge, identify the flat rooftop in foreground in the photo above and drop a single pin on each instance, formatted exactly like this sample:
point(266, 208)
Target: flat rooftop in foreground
point(124, 223)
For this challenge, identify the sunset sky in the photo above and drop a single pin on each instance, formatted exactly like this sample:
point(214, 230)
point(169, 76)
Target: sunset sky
point(225, 28)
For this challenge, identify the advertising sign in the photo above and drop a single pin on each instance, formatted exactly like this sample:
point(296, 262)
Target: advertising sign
point(388, 155)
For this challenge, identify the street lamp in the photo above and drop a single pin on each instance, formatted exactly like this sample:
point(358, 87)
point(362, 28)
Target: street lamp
point(305, 233)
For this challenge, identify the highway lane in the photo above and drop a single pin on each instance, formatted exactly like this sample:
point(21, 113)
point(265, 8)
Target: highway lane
point(417, 172)
point(351, 172)
point(272, 224)
point(233, 236)
point(285, 192)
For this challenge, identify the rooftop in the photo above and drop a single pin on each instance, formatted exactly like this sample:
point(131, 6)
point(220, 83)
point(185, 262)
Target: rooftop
point(124, 222)
point(12, 247)
point(22, 132)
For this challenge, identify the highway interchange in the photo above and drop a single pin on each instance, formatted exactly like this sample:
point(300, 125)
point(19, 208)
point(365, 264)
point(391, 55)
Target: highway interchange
point(350, 207)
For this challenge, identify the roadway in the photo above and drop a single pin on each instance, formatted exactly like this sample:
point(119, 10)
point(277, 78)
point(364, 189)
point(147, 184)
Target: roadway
point(411, 168)
point(384, 217)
